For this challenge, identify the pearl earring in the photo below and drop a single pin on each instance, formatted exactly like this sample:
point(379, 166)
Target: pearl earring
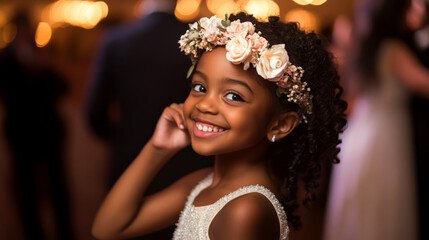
point(273, 139)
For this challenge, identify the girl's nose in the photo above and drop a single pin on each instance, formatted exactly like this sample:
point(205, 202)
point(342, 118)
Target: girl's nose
point(208, 104)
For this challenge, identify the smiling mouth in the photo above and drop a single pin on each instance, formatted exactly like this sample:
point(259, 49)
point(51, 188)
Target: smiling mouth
point(208, 127)
point(204, 130)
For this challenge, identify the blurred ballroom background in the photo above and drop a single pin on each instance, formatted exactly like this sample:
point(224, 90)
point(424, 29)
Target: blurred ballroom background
point(66, 37)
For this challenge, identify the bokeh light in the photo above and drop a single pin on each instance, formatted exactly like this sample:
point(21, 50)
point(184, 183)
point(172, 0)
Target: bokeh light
point(307, 20)
point(2, 18)
point(104, 8)
point(312, 2)
point(318, 2)
point(43, 34)
point(187, 10)
point(228, 7)
point(85, 14)
point(8, 33)
point(214, 5)
point(303, 2)
point(262, 9)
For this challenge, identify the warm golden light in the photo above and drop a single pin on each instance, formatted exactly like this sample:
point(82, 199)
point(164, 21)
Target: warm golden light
point(85, 14)
point(213, 5)
point(227, 7)
point(43, 34)
point(187, 10)
point(9, 33)
point(2, 18)
point(187, 7)
point(318, 2)
point(303, 2)
point(307, 20)
point(104, 8)
point(93, 15)
point(312, 2)
point(262, 9)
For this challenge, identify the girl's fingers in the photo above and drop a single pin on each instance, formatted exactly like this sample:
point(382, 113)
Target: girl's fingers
point(179, 116)
point(176, 111)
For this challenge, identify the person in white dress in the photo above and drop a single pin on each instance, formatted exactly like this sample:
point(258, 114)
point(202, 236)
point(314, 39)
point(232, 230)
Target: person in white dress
point(373, 190)
point(265, 101)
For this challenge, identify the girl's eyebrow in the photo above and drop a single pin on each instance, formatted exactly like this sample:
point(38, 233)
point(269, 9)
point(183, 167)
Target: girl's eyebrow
point(227, 80)
point(202, 75)
point(238, 82)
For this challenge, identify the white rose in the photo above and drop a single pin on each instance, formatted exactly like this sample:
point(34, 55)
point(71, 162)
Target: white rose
point(211, 31)
point(193, 26)
point(238, 49)
point(272, 62)
point(204, 22)
point(210, 23)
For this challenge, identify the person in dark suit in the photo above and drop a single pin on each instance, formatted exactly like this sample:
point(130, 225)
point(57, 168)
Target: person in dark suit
point(139, 72)
point(31, 90)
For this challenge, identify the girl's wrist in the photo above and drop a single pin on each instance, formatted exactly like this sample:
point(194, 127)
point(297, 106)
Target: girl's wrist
point(160, 151)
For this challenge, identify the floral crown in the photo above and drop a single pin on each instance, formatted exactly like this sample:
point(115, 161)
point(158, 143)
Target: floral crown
point(245, 46)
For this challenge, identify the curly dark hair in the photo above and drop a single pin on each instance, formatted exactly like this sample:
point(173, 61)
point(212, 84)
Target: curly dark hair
point(299, 156)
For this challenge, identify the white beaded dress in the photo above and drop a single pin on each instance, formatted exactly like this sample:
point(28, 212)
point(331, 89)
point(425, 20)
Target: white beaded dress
point(194, 222)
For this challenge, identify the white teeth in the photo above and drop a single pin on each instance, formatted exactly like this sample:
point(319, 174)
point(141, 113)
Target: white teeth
point(206, 128)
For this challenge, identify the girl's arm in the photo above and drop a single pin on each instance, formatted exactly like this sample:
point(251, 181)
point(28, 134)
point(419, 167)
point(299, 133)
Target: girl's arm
point(414, 75)
point(125, 213)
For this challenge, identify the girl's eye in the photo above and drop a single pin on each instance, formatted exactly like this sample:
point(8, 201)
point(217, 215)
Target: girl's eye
point(198, 87)
point(234, 97)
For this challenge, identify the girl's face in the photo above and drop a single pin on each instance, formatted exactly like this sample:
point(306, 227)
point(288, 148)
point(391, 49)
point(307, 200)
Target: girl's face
point(228, 109)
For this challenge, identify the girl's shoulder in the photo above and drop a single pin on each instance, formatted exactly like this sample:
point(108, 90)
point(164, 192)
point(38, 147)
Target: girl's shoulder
point(250, 216)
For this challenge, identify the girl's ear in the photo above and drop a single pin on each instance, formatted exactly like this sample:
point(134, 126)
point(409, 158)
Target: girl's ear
point(282, 126)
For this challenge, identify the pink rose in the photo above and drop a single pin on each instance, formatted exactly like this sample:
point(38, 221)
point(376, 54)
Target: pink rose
point(258, 43)
point(240, 29)
point(272, 62)
point(284, 82)
point(238, 49)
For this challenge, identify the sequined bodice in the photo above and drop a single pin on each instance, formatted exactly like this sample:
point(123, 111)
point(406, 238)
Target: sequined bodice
point(194, 222)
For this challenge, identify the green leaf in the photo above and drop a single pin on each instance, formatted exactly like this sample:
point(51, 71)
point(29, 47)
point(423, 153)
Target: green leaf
point(226, 23)
point(221, 29)
point(190, 71)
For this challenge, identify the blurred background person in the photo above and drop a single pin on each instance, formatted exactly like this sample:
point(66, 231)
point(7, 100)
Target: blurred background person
point(131, 64)
point(30, 90)
point(373, 190)
point(419, 17)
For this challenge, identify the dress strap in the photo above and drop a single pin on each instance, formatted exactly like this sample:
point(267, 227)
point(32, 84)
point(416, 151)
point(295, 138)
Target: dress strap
point(198, 188)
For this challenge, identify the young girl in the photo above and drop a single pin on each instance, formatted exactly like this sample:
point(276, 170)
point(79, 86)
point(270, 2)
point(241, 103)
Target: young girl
point(269, 124)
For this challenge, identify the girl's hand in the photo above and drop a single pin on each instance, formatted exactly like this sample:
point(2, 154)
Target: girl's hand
point(170, 132)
